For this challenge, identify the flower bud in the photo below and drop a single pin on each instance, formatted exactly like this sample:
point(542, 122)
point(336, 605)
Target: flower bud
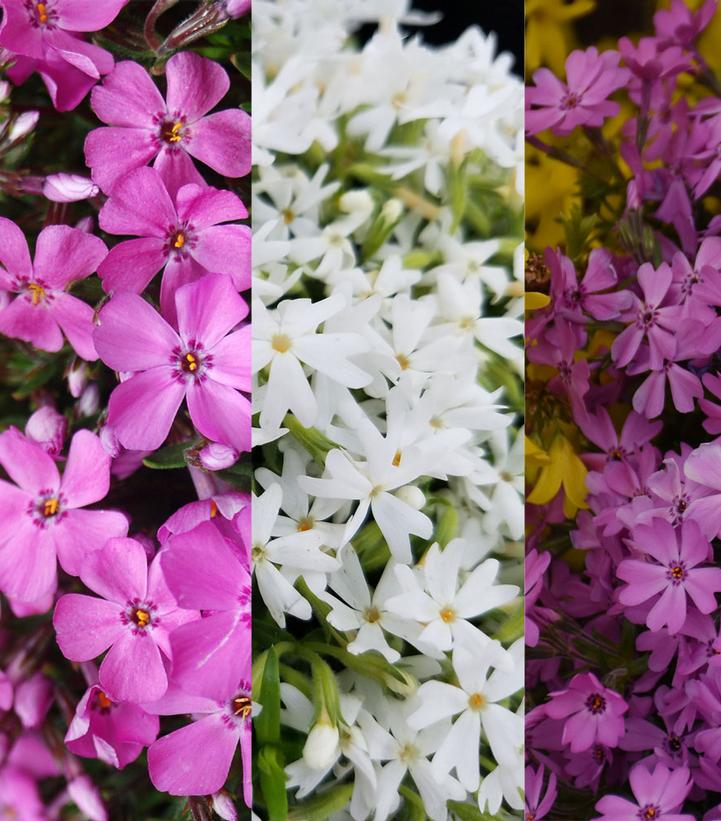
point(235, 9)
point(77, 378)
point(411, 495)
point(47, 427)
point(89, 402)
point(224, 807)
point(321, 746)
point(356, 201)
point(64, 187)
point(215, 456)
point(22, 126)
point(33, 698)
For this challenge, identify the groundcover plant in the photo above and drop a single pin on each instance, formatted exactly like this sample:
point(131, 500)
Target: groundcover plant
point(623, 458)
point(387, 218)
point(124, 374)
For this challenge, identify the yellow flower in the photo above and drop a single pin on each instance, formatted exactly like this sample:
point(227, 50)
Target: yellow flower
point(564, 469)
point(551, 191)
point(549, 35)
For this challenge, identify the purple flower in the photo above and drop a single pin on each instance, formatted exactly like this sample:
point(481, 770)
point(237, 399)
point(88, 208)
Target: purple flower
point(134, 618)
point(48, 428)
point(680, 26)
point(42, 515)
point(593, 713)
point(144, 126)
point(652, 320)
point(704, 467)
point(108, 730)
point(659, 795)
point(43, 35)
point(205, 572)
point(43, 310)
point(672, 573)
point(220, 725)
point(180, 233)
point(582, 100)
point(202, 362)
point(573, 298)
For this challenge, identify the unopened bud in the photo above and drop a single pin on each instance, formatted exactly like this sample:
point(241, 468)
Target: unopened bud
point(321, 746)
point(411, 495)
point(64, 187)
point(47, 427)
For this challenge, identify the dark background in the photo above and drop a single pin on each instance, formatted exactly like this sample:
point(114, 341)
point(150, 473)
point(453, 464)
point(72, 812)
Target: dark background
point(505, 18)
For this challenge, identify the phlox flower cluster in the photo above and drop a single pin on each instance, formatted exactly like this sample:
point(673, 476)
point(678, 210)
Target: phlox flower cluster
point(125, 425)
point(623, 335)
point(387, 388)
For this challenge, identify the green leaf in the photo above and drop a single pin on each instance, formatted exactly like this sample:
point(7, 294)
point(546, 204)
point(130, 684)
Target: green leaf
point(312, 440)
point(267, 723)
point(272, 783)
point(239, 475)
point(168, 458)
point(512, 626)
point(468, 812)
point(321, 807)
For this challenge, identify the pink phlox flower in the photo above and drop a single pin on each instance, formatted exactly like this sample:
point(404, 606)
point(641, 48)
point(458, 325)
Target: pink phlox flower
point(658, 793)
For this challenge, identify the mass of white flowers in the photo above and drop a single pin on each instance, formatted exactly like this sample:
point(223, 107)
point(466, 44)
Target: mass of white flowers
point(387, 354)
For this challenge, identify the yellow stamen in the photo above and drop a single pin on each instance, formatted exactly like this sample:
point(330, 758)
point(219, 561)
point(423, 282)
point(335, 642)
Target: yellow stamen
point(448, 615)
point(142, 618)
point(192, 363)
point(213, 509)
point(242, 706)
point(396, 459)
point(172, 134)
point(280, 343)
point(50, 508)
point(477, 701)
point(403, 361)
point(37, 291)
point(42, 12)
point(179, 240)
point(104, 702)
point(304, 525)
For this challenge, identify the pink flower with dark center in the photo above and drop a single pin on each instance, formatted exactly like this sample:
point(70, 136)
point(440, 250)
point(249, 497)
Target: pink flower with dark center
point(594, 713)
point(673, 573)
point(41, 515)
point(659, 795)
point(134, 618)
point(652, 319)
point(43, 310)
point(220, 725)
point(583, 100)
point(44, 36)
point(202, 362)
point(143, 126)
point(111, 731)
point(181, 233)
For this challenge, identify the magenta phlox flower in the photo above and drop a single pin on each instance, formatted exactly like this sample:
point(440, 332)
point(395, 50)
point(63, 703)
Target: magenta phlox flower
point(600, 430)
point(669, 573)
point(142, 126)
point(649, 62)
point(593, 713)
point(582, 100)
point(45, 38)
point(206, 362)
point(652, 319)
point(573, 299)
point(535, 568)
point(111, 731)
point(219, 726)
point(703, 466)
point(680, 26)
point(204, 572)
point(658, 793)
point(132, 619)
point(42, 515)
point(43, 310)
point(221, 508)
point(183, 234)
point(712, 423)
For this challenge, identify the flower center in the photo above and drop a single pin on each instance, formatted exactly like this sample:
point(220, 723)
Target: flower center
point(403, 361)
point(448, 615)
point(189, 362)
point(178, 239)
point(396, 459)
point(674, 743)
point(569, 101)
point(213, 509)
point(409, 752)
point(172, 132)
point(258, 553)
point(676, 573)
point(477, 701)
point(50, 507)
point(288, 216)
point(647, 317)
point(37, 292)
point(372, 615)
point(596, 703)
point(598, 754)
point(649, 813)
point(140, 617)
point(102, 702)
point(281, 343)
point(242, 706)
point(305, 524)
